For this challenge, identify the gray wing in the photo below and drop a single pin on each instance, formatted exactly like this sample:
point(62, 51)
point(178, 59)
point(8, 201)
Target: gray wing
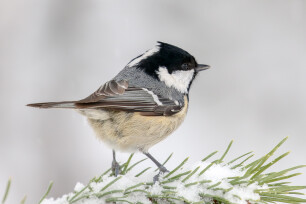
point(117, 95)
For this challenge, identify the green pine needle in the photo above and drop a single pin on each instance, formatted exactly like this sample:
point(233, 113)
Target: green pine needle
point(23, 200)
point(272, 187)
point(7, 189)
point(126, 165)
point(177, 168)
point(226, 151)
point(210, 155)
point(47, 192)
point(169, 157)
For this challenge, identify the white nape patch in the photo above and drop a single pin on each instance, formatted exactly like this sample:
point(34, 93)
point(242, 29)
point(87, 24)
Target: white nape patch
point(144, 56)
point(179, 80)
point(155, 97)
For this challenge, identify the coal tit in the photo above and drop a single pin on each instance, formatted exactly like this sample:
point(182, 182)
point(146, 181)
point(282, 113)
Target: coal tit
point(143, 104)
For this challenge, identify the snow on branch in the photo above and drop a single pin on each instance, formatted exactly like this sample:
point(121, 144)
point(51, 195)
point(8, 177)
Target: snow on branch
point(237, 181)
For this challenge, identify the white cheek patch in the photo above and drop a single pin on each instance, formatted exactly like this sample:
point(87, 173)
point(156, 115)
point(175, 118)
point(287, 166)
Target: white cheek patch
point(144, 56)
point(179, 80)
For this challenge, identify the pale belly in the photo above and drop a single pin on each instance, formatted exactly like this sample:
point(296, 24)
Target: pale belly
point(131, 131)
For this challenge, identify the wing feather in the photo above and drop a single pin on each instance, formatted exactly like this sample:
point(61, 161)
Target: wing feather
point(117, 95)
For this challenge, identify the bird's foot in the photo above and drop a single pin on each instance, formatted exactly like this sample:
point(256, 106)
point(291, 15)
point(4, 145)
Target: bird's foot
point(162, 170)
point(116, 168)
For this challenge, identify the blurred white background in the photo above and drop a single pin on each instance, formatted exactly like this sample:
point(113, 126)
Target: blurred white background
point(50, 50)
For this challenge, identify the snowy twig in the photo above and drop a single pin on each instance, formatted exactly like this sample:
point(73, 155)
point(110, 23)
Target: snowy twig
point(205, 182)
point(214, 182)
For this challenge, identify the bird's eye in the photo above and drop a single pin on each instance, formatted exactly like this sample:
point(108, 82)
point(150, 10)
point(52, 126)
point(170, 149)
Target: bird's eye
point(185, 66)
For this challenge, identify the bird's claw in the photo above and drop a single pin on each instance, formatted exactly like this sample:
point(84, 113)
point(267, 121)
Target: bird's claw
point(162, 170)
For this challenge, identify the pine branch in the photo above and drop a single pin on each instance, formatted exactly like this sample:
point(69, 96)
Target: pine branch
point(245, 183)
point(206, 182)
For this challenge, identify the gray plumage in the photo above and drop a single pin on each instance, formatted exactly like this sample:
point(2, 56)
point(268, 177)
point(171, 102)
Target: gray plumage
point(138, 78)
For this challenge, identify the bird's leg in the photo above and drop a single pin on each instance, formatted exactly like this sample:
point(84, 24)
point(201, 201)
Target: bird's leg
point(162, 169)
point(115, 165)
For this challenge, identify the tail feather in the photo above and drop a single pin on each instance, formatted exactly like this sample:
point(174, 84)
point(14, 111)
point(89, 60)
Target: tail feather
point(63, 104)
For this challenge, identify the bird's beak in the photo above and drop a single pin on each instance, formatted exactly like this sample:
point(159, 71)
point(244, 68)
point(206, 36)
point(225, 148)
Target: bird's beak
point(201, 67)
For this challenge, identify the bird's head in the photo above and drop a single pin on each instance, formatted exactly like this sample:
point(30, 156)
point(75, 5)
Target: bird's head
point(169, 64)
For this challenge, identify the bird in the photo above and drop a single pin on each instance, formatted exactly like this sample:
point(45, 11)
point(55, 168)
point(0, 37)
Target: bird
point(143, 104)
